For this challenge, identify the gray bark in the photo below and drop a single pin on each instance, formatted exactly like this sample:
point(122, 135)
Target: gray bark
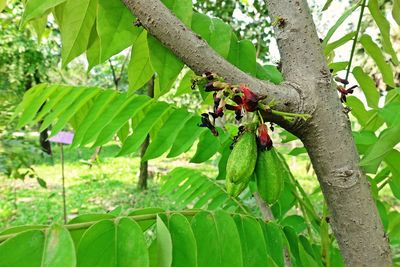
point(309, 89)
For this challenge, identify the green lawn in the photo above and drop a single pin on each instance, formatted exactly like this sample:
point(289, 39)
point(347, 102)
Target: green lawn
point(108, 184)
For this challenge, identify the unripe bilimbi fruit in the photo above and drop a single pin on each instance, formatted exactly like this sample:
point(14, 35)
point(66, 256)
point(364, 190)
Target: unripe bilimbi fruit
point(242, 160)
point(269, 173)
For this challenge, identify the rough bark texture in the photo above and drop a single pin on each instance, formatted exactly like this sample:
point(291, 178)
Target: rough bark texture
point(326, 136)
point(199, 56)
point(328, 139)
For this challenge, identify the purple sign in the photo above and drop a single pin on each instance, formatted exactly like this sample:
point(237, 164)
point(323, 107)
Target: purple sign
point(63, 138)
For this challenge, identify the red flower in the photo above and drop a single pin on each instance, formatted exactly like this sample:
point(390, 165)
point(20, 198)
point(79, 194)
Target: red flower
point(263, 139)
point(247, 100)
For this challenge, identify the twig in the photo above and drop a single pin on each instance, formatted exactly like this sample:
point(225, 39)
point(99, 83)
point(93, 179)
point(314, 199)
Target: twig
point(264, 208)
point(267, 215)
point(353, 48)
point(63, 184)
point(115, 78)
point(78, 226)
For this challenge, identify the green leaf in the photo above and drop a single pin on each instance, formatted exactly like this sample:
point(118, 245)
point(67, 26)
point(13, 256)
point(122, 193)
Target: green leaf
point(162, 59)
point(296, 222)
point(86, 96)
point(297, 151)
point(275, 242)
point(217, 238)
point(220, 37)
point(78, 19)
point(252, 241)
point(164, 63)
point(37, 8)
point(396, 11)
point(327, 5)
point(140, 70)
point(384, 28)
point(3, 4)
point(185, 84)
point(306, 258)
point(166, 136)
point(21, 228)
point(31, 103)
point(59, 248)
point(225, 151)
point(332, 46)
point(145, 211)
point(93, 49)
point(101, 102)
point(77, 234)
point(293, 242)
point(368, 87)
point(41, 182)
point(363, 140)
point(208, 145)
point(247, 57)
point(164, 244)
point(214, 31)
point(390, 113)
point(181, 8)
point(338, 66)
point(127, 111)
point(368, 119)
point(39, 25)
point(113, 244)
point(375, 52)
point(386, 141)
point(118, 104)
point(115, 29)
point(184, 249)
point(339, 22)
point(153, 116)
point(269, 73)
point(63, 105)
point(25, 249)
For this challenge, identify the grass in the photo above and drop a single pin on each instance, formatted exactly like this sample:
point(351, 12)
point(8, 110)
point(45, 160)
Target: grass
point(108, 184)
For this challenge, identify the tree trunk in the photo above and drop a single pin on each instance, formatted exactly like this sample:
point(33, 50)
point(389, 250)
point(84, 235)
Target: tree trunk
point(308, 89)
point(328, 139)
point(144, 165)
point(45, 144)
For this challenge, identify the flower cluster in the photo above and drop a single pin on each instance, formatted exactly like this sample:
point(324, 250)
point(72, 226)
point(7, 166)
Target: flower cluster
point(342, 89)
point(240, 99)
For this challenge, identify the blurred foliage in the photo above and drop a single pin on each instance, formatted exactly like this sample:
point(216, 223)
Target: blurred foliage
point(249, 20)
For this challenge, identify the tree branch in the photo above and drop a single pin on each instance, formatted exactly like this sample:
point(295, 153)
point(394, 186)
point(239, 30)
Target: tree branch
point(200, 57)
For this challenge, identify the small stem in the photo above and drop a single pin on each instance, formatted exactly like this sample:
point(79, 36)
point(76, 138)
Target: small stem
point(78, 226)
point(268, 216)
point(260, 117)
point(265, 210)
point(291, 115)
point(353, 48)
point(63, 184)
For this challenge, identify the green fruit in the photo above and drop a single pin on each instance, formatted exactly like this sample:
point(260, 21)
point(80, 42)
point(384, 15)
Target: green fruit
point(235, 189)
point(269, 175)
point(242, 160)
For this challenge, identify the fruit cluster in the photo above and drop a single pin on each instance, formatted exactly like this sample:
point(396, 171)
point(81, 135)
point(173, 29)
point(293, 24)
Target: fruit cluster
point(252, 153)
point(248, 159)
